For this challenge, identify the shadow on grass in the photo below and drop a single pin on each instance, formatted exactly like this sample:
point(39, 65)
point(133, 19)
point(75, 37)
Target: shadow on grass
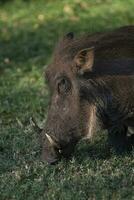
point(96, 150)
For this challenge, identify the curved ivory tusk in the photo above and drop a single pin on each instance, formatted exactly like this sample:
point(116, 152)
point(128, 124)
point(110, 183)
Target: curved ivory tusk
point(50, 139)
point(52, 142)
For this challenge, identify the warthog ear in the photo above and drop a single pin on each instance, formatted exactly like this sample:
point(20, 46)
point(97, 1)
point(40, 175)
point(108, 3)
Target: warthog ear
point(84, 60)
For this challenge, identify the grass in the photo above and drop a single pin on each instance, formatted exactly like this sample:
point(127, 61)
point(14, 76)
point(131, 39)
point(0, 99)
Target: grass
point(28, 32)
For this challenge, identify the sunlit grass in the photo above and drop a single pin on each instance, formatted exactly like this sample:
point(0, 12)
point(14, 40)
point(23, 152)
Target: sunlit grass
point(28, 33)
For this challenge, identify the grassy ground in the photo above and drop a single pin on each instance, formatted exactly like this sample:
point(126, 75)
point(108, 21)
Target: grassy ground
point(28, 32)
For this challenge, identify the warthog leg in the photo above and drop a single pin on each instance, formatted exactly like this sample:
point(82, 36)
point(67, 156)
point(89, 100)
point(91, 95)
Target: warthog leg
point(117, 137)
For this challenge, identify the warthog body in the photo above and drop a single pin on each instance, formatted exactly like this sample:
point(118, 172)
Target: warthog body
point(91, 80)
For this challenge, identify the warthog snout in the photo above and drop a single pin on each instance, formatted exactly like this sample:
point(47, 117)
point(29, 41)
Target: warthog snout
point(53, 152)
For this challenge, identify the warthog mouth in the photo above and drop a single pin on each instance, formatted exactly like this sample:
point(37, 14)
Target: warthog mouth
point(56, 151)
point(59, 151)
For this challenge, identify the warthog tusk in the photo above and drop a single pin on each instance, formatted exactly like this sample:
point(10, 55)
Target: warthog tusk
point(50, 139)
point(52, 142)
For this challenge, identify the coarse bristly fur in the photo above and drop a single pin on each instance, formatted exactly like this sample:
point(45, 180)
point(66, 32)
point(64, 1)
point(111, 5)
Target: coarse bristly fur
point(91, 80)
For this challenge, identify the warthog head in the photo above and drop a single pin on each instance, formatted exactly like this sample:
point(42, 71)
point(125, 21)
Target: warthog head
point(64, 121)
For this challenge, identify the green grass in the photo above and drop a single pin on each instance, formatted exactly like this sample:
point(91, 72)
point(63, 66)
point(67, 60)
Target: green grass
point(28, 32)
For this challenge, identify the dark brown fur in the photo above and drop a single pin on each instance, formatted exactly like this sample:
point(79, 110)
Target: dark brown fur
point(101, 95)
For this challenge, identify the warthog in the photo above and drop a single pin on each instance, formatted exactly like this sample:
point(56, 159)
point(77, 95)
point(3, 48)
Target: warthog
point(91, 80)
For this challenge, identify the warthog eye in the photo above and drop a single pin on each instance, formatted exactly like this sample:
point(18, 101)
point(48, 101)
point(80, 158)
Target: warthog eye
point(64, 86)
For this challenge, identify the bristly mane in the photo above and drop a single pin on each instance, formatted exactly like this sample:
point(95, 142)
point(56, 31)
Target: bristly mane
point(68, 47)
